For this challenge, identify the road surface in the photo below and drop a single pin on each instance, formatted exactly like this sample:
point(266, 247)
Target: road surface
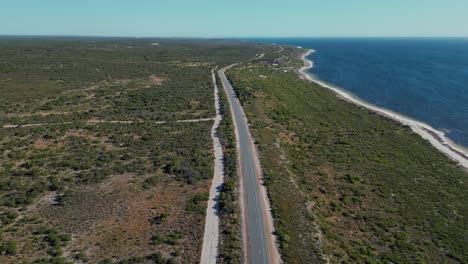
point(259, 241)
point(211, 237)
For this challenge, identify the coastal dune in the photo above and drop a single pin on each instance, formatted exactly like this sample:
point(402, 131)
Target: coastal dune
point(436, 137)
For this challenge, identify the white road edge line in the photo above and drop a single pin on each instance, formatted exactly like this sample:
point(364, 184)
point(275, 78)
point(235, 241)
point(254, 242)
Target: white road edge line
point(266, 206)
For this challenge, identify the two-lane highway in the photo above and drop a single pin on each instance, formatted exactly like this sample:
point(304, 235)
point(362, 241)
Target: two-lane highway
point(258, 240)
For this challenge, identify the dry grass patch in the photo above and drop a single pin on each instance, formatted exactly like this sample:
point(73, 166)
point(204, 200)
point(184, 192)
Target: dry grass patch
point(119, 219)
point(40, 144)
point(101, 141)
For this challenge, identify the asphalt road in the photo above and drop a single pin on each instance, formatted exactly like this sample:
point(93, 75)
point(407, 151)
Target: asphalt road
point(257, 245)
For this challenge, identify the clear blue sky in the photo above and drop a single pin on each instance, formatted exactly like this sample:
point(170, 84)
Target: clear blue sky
point(235, 18)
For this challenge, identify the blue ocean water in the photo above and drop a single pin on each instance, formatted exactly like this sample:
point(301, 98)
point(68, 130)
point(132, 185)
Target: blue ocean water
point(423, 78)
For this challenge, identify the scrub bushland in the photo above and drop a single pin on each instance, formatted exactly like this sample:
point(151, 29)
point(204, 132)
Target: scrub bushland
point(346, 184)
point(98, 177)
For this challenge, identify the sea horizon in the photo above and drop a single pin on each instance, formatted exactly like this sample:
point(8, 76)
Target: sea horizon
point(420, 78)
point(246, 38)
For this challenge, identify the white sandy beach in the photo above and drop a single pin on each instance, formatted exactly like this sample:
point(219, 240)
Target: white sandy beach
point(435, 137)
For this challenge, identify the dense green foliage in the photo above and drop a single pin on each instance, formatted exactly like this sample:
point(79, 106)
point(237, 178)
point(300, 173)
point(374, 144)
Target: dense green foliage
point(346, 183)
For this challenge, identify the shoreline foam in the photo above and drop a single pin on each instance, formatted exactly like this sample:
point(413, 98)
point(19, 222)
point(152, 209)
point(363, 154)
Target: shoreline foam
point(436, 137)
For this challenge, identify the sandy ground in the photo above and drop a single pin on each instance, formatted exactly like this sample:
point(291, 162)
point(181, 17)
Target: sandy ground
point(211, 237)
point(435, 137)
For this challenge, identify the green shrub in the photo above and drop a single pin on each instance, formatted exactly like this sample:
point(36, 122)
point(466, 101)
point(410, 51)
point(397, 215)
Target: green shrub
point(8, 247)
point(8, 217)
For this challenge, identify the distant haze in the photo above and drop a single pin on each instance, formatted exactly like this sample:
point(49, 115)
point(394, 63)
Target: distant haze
point(241, 18)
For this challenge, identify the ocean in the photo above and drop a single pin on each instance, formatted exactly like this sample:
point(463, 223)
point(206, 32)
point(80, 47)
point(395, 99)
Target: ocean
point(422, 78)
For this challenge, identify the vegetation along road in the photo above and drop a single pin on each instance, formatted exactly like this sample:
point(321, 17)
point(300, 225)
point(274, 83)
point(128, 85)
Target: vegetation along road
point(258, 240)
point(211, 236)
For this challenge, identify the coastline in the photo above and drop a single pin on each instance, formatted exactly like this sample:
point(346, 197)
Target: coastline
point(435, 137)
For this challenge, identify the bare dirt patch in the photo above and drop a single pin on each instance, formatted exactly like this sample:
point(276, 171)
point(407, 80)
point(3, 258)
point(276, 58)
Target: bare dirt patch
point(155, 80)
point(289, 138)
point(40, 144)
